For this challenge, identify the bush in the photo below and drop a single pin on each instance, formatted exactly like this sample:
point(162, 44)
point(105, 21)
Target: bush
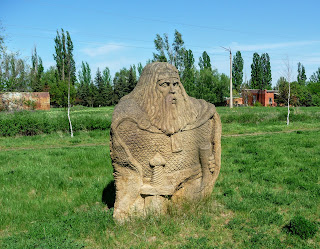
point(302, 227)
point(29, 123)
point(257, 104)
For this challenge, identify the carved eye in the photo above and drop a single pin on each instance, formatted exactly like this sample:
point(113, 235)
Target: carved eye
point(164, 84)
point(175, 83)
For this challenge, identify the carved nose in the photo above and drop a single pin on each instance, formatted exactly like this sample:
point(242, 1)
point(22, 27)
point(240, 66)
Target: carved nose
point(171, 89)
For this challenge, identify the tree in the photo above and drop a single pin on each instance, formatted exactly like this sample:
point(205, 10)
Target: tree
point(179, 50)
point(13, 73)
point(261, 72)
point(65, 64)
point(237, 71)
point(299, 94)
point(283, 90)
point(288, 74)
point(315, 77)
point(189, 73)
point(301, 78)
point(71, 65)
point(132, 78)
point(120, 84)
point(314, 87)
point(139, 68)
point(104, 89)
point(160, 47)
point(266, 71)
point(92, 95)
point(222, 89)
point(106, 77)
point(36, 72)
point(171, 54)
point(84, 78)
point(2, 47)
point(204, 61)
point(101, 93)
point(49, 81)
point(208, 82)
point(60, 54)
point(256, 72)
point(245, 93)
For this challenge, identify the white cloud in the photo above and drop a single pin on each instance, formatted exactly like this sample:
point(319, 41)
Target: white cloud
point(235, 46)
point(270, 46)
point(102, 50)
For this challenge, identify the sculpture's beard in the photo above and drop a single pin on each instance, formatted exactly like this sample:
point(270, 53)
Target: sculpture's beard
point(169, 113)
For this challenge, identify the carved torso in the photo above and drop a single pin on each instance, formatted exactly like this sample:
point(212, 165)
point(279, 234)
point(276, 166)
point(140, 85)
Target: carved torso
point(144, 145)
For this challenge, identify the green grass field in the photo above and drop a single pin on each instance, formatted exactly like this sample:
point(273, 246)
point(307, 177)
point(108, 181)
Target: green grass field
point(54, 189)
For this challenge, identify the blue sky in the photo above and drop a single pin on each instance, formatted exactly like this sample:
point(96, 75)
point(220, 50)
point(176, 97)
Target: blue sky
point(117, 34)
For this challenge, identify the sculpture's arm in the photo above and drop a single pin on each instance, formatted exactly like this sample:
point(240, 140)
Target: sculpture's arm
point(127, 174)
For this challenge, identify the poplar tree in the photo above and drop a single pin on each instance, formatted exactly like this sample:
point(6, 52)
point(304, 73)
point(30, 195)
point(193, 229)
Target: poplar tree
point(188, 75)
point(178, 48)
point(237, 71)
point(36, 72)
point(204, 61)
point(207, 79)
point(261, 77)
point(65, 66)
point(266, 72)
point(256, 72)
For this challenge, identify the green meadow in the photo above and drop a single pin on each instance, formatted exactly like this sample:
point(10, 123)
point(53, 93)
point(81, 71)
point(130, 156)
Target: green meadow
point(57, 191)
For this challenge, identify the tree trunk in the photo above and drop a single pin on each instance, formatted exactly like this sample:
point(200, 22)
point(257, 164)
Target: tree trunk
point(69, 103)
point(288, 121)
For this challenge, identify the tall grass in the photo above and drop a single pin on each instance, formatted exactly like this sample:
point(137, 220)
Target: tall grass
point(29, 123)
point(236, 120)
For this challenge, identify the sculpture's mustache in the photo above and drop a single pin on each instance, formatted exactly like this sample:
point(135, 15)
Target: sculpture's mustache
point(171, 98)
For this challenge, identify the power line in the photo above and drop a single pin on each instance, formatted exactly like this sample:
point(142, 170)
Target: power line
point(73, 7)
point(152, 48)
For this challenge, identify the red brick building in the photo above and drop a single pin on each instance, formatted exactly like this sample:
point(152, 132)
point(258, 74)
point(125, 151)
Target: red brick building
point(252, 96)
point(264, 97)
point(11, 101)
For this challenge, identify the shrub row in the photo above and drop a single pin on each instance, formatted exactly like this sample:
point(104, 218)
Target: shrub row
point(32, 123)
point(253, 118)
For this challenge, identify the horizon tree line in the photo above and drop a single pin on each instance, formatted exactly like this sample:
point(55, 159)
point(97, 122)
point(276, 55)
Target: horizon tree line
point(103, 90)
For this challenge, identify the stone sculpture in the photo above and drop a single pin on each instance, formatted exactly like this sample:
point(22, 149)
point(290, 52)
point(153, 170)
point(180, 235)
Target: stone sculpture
point(165, 146)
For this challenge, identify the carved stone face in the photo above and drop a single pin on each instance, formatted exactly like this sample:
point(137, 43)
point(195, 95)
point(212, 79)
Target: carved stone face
point(161, 95)
point(169, 87)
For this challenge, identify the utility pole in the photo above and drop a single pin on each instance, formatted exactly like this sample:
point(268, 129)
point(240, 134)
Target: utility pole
point(231, 98)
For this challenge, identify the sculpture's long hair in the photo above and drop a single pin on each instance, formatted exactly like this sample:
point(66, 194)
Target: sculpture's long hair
point(163, 115)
